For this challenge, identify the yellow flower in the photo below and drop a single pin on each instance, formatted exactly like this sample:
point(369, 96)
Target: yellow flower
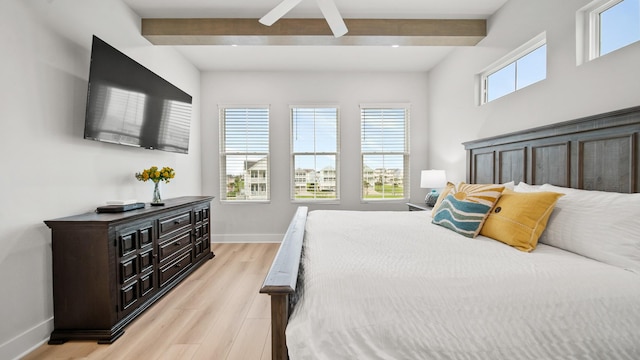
point(155, 175)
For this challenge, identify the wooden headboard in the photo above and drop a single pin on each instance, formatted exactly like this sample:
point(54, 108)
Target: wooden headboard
point(598, 152)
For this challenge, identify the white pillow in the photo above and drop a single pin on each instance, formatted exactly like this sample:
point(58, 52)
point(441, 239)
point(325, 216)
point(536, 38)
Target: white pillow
point(510, 185)
point(604, 226)
point(524, 187)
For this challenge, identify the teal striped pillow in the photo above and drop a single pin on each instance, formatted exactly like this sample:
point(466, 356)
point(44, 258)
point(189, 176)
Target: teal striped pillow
point(464, 217)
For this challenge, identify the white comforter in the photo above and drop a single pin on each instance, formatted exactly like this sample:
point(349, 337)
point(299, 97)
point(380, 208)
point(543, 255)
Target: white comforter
point(390, 285)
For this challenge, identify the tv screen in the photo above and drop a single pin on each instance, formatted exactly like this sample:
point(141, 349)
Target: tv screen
point(129, 104)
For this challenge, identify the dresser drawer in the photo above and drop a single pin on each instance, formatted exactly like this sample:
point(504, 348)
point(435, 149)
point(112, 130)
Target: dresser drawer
point(174, 268)
point(129, 269)
point(175, 222)
point(136, 291)
point(131, 238)
point(202, 214)
point(174, 245)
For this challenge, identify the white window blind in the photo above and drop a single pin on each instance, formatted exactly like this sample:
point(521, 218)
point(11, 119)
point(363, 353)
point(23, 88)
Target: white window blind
point(244, 154)
point(314, 153)
point(385, 152)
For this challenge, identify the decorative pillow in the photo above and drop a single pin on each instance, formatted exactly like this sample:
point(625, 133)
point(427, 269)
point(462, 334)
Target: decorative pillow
point(518, 219)
point(604, 226)
point(510, 185)
point(466, 206)
point(443, 194)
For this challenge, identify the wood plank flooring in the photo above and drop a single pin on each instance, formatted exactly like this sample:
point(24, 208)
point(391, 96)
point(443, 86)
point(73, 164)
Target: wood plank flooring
point(216, 313)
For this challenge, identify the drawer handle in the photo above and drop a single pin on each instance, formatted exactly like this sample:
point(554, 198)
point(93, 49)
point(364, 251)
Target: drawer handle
point(178, 265)
point(176, 222)
point(177, 243)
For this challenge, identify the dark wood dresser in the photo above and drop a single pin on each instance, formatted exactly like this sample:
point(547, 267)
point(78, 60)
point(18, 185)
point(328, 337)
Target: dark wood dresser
point(109, 267)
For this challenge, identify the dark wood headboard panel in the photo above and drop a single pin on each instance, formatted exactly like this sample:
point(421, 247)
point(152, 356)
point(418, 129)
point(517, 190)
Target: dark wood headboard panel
point(598, 152)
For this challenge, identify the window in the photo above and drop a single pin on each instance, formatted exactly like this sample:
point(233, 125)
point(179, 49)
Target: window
point(385, 152)
point(314, 152)
point(525, 66)
point(608, 25)
point(244, 154)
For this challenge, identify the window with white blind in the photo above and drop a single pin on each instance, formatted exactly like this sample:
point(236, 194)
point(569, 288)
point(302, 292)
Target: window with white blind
point(385, 152)
point(244, 153)
point(314, 153)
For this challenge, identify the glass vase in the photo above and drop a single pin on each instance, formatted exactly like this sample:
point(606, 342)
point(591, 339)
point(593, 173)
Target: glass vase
point(157, 200)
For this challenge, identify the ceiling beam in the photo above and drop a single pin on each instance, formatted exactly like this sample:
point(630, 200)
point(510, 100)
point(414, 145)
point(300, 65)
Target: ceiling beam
point(373, 32)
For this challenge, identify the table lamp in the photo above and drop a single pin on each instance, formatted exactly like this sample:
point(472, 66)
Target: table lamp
point(434, 180)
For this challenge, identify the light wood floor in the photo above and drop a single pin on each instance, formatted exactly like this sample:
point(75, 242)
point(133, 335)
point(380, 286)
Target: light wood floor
point(216, 313)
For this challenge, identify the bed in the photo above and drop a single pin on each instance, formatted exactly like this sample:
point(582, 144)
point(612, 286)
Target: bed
point(394, 285)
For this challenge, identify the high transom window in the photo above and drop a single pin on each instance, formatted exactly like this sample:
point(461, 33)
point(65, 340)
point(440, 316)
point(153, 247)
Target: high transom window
point(524, 66)
point(608, 25)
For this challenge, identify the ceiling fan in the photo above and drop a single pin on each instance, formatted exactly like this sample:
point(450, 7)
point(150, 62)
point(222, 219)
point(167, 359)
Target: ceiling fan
point(328, 8)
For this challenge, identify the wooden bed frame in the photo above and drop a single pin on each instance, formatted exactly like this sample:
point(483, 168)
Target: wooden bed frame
point(594, 153)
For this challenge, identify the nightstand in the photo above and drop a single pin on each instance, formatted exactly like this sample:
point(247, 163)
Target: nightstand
point(416, 207)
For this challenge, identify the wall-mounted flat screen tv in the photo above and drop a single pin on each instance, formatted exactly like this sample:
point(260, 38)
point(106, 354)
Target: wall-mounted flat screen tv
point(129, 104)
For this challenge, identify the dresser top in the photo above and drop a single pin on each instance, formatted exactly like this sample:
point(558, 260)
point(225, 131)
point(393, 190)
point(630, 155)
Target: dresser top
point(107, 218)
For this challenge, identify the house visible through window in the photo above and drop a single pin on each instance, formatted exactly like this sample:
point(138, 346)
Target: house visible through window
point(524, 66)
point(244, 154)
point(385, 152)
point(315, 153)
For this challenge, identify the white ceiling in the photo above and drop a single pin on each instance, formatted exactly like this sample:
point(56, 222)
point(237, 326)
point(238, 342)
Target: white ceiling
point(316, 58)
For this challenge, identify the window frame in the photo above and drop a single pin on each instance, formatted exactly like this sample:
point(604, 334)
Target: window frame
point(405, 154)
point(223, 155)
point(292, 177)
point(588, 30)
point(512, 57)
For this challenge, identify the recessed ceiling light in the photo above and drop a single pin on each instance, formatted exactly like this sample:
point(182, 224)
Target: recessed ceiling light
point(395, 46)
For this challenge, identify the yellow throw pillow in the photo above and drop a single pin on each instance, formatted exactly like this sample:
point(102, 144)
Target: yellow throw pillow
point(518, 219)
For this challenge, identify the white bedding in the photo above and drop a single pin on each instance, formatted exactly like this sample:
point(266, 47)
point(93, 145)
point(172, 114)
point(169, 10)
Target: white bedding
point(390, 285)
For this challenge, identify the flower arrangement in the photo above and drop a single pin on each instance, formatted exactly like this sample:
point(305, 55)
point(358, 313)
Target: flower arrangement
point(156, 175)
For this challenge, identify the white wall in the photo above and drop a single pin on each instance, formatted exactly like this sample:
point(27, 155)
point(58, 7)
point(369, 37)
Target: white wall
point(47, 169)
point(267, 222)
point(609, 83)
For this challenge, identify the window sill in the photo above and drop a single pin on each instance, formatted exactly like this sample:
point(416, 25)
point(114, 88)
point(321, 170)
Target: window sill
point(386, 201)
point(323, 202)
point(244, 202)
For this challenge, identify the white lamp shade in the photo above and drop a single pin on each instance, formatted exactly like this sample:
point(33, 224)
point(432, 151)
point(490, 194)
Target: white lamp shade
point(433, 179)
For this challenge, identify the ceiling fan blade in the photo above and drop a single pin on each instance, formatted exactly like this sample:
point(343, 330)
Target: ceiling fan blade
point(279, 11)
point(334, 19)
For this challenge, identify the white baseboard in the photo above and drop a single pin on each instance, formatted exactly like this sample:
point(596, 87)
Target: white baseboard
point(246, 238)
point(26, 342)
